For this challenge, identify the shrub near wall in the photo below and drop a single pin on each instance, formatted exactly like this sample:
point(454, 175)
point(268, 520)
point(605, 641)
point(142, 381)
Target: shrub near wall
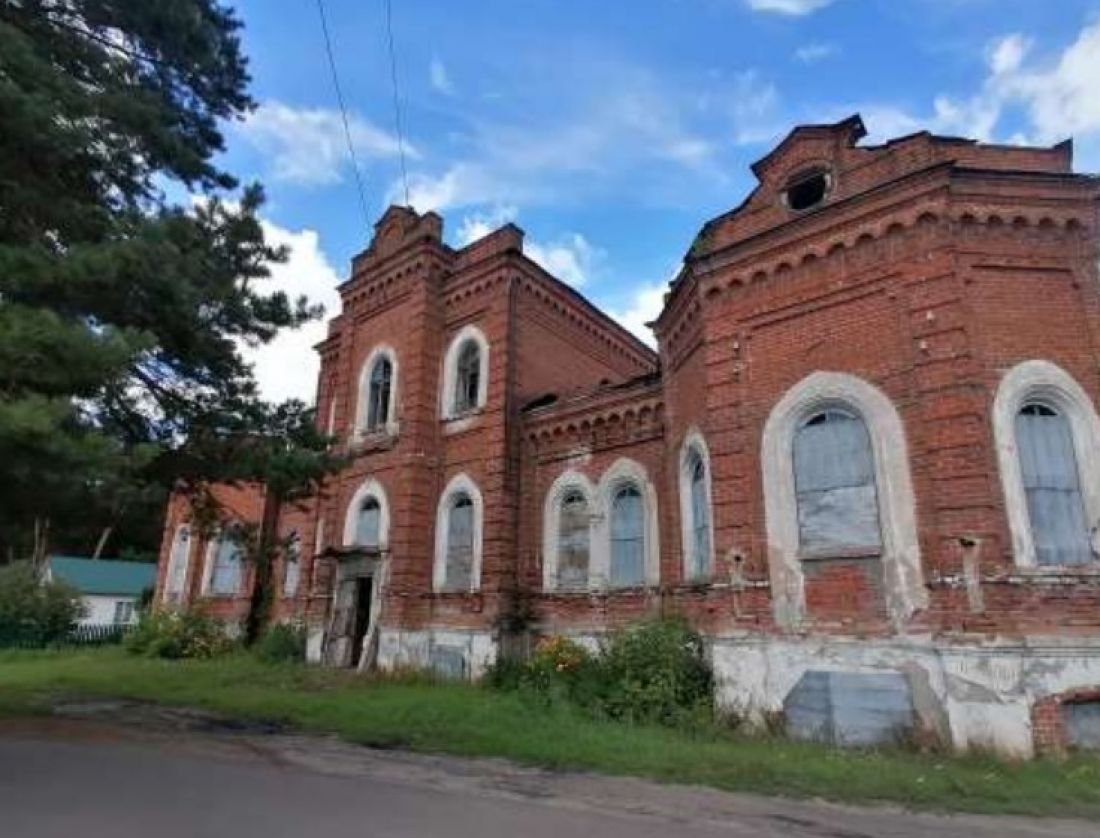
point(655, 672)
point(34, 613)
point(178, 634)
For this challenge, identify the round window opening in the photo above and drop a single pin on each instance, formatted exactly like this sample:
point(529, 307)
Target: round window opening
point(807, 191)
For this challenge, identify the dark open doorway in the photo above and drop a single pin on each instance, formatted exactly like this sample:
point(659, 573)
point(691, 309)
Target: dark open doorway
point(364, 589)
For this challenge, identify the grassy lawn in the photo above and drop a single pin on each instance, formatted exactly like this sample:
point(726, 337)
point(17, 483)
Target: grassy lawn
point(468, 720)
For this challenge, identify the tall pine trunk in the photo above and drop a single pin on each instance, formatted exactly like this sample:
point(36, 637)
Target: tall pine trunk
point(266, 549)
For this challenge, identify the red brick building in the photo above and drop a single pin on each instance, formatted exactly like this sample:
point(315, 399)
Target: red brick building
point(868, 443)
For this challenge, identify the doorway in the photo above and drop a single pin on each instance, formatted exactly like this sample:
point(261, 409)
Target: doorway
point(364, 591)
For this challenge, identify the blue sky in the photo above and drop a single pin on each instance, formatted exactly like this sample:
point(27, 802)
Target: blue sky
point(611, 131)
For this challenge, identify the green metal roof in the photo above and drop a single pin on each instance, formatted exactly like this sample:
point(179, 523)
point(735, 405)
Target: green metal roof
point(104, 576)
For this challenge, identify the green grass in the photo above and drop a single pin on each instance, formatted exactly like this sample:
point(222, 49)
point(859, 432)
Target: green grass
point(469, 720)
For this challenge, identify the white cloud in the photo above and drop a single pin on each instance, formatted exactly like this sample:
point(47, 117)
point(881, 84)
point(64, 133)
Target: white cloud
point(440, 80)
point(793, 8)
point(812, 53)
point(287, 367)
point(570, 258)
point(307, 145)
point(643, 307)
point(1056, 97)
point(1008, 53)
point(478, 225)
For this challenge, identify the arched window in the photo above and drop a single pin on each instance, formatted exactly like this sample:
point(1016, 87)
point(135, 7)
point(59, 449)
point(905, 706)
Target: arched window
point(178, 559)
point(699, 558)
point(1048, 448)
point(573, 541)
point(468, 378)
point(458, 536)
point(465, 374)
point(1050, 474)
point(460, 543)
point(379, 394)
point(369, 522)
point(292, 564)
point(627, 537)
point(836, 480)
point(834, 476)
point(225, 570)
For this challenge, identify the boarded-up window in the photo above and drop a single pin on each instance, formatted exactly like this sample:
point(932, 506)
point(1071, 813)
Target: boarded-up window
point(460, 544)
point(291, 564)
point(369, 523)
point(627, 537)
point(378, 405)
point(700, 517)
point(225, 575)
point(468, 378)
point(834, 472)
point(1048, 465)
point(573, 541)
point(177, 561)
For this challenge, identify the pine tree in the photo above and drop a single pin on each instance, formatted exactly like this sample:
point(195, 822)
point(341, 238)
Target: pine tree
point(122, 312)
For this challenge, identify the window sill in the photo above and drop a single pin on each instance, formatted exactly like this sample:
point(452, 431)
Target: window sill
point(840, 553)
point(382, 439)
point(462, 421)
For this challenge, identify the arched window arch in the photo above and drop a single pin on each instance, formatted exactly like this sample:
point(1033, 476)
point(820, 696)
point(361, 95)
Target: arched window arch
point(378, 397)
point(1048, 448)
point(224, 564)
point(458, 537)
point(175, 577)
point(292, 564)
point(465, 374)
point(367, 520)
point(625, 538)
point(834, 477)
point(378, 392)
point(797, 507)
point(696, 518)
point(567, 533)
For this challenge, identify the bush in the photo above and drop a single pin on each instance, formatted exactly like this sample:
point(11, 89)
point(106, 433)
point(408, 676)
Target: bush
point(178, 634)
point(655, 672)
point(282, 643)
point(33, 612)
point(659, 672)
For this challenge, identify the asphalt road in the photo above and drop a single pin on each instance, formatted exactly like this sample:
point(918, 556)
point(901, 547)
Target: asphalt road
point(64, 778)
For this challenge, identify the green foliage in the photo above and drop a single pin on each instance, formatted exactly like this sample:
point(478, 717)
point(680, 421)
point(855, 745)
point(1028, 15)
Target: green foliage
point(655, 672)
point(123, 313)
point(33, 612)
point(282, 643)
point(178, 634)
point(660, 673)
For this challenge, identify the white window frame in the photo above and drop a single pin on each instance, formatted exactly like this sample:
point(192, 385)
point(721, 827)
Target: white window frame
point(460, 483)
point(362, 412)
point(370, 487)
point(694, 443)
point(208, 571)
point(621, 472)
point(450, 372)
point(568, 481)
point(173, 592)
point(900, 557)
point(1043, 381)
point(290, 591)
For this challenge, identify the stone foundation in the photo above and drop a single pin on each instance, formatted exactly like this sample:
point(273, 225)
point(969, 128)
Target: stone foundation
point(966, 696)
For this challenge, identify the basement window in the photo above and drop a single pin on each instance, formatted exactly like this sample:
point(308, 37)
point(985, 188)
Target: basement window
point(807, 190)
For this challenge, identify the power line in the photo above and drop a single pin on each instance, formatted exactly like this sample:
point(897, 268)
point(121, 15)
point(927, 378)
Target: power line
point(396, 101)
point(344, 116)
